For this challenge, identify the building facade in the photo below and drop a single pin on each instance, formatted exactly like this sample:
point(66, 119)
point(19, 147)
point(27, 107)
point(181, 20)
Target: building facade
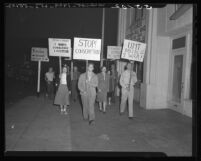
point(165, 74)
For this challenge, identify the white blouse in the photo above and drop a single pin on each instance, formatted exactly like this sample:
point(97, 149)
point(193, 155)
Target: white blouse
point(63, 78)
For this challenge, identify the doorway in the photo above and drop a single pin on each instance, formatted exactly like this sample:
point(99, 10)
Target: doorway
point(178, 56)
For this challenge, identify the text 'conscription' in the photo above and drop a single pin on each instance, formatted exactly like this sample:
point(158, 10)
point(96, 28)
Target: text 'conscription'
point(87, 49)
point(133, 50)
point(59, 47)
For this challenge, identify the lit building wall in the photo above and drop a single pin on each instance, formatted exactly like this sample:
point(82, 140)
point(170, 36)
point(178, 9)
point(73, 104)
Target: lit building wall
point(155, 89)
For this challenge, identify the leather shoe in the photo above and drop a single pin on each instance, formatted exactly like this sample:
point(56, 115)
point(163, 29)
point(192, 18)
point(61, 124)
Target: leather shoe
point(91, 122)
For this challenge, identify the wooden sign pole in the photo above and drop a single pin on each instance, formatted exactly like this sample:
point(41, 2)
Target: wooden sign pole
point(132, 62)
point(86, 74)
point(60, 64)
point(38, 82)
point(72, 69)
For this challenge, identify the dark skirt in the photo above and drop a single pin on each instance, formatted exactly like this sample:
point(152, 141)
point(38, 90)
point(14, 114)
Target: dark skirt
point(102, 96)
point(62, 95)
point(109, 94)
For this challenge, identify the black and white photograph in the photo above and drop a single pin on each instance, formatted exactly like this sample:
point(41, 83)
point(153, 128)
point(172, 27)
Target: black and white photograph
point(99, 78)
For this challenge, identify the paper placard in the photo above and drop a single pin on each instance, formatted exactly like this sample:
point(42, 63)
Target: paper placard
point(87, 49)
point(114, 52)
point(59, 47)
point(133, 50)
point(39, 54)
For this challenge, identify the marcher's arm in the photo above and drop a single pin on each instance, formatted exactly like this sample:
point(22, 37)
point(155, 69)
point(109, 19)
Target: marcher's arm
point(94, 83)
point(80, 83)
point(134, 78)
point(108, 83)
point(122, 81)
point(45, 77)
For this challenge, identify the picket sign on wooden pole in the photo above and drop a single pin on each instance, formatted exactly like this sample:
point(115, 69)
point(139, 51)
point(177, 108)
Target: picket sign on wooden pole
point(38, 82)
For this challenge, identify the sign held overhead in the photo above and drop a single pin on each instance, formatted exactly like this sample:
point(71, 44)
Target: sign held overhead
point(39, 54)
point(87, 49)
point(59, 47)
point(133, 50)
point(114, 52)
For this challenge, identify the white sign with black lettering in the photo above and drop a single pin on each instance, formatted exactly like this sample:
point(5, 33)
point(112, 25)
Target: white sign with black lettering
point(39, 54)
point(114, 52)
point(133, 50)
point(87, 49)
point(59, 47)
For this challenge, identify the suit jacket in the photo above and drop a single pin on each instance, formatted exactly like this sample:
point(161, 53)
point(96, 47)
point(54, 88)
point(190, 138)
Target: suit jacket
point(125, 78)
point(87, 87)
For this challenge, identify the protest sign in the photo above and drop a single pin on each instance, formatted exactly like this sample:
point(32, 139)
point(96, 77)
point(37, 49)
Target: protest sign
point(113, 52)
point(39, 54)
point(133, 50)
point(59, 47)
point(87, 49)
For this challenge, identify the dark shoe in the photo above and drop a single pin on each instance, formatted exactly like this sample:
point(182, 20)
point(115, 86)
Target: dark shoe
point(130, 118)
point(121, 113)
point(104, 112)
point(91, 122)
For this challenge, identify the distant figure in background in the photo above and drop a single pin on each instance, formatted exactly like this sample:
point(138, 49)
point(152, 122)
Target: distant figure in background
point(103, 88)
point(68, 78)
point(62, 95)
point(49, 78)
point(87, 84)
point(76, 75)
point(112, 84)
point(127, 81)
point(110, 90)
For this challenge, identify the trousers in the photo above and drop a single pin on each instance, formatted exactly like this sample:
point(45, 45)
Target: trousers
point(127, 95)
point(88, 102)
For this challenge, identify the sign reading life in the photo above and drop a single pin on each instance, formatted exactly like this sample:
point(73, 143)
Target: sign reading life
point(87, 49)
point(133, 50)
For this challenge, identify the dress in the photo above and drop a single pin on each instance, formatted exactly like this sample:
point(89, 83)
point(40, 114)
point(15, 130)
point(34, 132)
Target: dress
point(75, 85)
point(103, 85)
point(62, 95)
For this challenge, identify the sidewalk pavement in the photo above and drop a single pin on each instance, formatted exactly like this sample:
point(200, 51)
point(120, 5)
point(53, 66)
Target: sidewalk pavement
point(34, 124)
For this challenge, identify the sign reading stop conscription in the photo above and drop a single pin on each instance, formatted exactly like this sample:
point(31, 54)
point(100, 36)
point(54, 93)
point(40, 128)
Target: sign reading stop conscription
point(59, 47)
point(133, 50)
point(39, 54)
point(114, 52)
point(87, 49)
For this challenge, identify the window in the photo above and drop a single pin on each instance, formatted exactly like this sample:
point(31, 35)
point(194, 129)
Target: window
point(179, 43)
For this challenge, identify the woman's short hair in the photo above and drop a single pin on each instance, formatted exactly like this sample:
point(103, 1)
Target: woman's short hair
point(90, 64)
point(103, 67)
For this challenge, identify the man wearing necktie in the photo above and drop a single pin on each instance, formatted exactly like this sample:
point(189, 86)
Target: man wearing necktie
point(127, 81)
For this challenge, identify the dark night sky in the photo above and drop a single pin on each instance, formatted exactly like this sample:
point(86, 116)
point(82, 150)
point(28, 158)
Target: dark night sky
point(26, 28)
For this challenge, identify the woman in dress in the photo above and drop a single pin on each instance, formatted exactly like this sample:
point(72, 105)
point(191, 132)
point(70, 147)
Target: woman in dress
point(62, 95)
point(103, 88)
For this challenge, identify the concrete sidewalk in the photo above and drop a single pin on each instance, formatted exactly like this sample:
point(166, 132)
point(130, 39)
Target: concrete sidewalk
point(150, 131)
point(34, 124)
